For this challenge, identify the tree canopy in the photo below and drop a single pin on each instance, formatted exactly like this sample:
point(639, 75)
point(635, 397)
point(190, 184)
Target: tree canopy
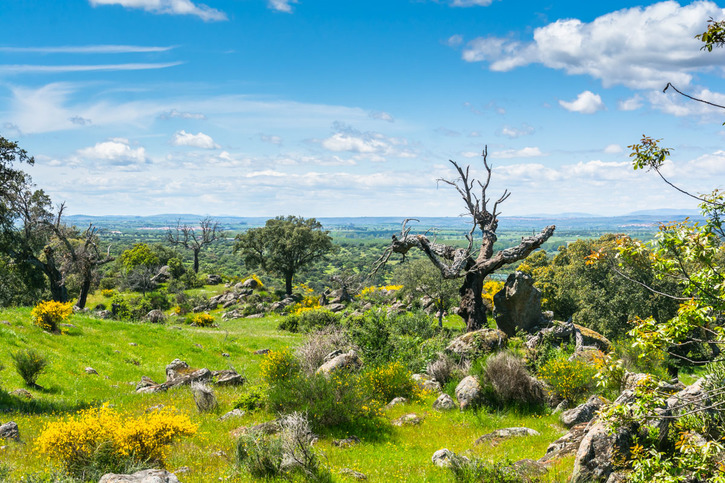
point(284, 246)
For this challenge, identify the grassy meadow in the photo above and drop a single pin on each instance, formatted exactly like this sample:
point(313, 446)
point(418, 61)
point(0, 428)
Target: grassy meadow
point(122, 352)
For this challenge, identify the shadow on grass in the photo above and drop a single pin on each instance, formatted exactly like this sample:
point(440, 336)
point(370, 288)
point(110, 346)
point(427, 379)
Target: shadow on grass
point(369, 429)
point(10, 403)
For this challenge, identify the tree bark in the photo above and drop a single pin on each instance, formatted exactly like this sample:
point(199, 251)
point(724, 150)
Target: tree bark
point(196, 260)
point(288, 283)
point(471, 309)
point(85, 289)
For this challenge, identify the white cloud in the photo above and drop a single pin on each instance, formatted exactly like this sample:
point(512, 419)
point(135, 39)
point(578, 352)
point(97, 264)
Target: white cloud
point(613, 149)
point(171, 7)
point(371, 145)
point(471, 3)
point(199, 140)
point(56, 69)
point(281, 5)
point(631, 104)
point(382, 116)
point(586, 103)
point(642, 48)
point(672, 103)
point(266, 138)
point(117, 152)
point(514, 132)
point(527, 152)
point(454, 40)
point(86, 49)
point(173, 113)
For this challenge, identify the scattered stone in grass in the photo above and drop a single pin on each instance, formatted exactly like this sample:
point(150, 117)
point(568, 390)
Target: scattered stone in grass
point(495, 436)
point(132, 344)
point(426, 382)
point(398, 400)
point(199, 346)
point(22, 393)
point(224, 354)
point(529, 469)
point(5, 322)
point(68, 326)
point(444, 403)
point(353, 474)
point(176, 327)
point(410, 419)
point(468, 392)
point(135, 362)
point(91, 371)
point(145, 476)
point(228, 377)
point(582, 413)
point(183, 470)
point(235, 413)
point(349, 361)
point(220, 454)
point(254, 316)
point(146, 382)
point(261, 352)
point(117, 351)
point(270, 427)
point(443, 458)
point(10, 430)
point(115, 386)
point(347, 442)
point(157, 407)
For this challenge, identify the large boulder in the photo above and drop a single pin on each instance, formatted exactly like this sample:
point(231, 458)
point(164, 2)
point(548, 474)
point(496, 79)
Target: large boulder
point(506, 433)
point(444, 403)
point(10, 431)
point(468, 392)
point(566, 445)
point(156, 316)
point(349, 361)
point(518, 305)
point(175, 369)
point(472, 345)
point(163, 275)
point(145, 476)
point(595, 458)
point(582, 413)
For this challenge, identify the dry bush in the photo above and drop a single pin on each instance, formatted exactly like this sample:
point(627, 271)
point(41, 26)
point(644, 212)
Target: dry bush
point(511, 382)
point(442, 369)
point(203, 397)
point(312, 353)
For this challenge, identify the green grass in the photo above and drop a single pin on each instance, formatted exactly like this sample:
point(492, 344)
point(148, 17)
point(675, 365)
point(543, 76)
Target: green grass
point(385, 454)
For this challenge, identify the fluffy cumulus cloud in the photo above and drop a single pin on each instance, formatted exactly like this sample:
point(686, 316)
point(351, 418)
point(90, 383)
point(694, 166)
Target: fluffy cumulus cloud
point(527, 152)
point(613, 149)
point(672, 103)
point(369, 145)
point(631, 104)
point(586, 103)
point(199, 140)
point(171, 7)
point(516, 132)
point(642, 48)
point(116, 152)
point(281, 5)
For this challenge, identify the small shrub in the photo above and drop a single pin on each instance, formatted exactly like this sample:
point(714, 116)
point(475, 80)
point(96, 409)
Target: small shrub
point(260, 455)
point(159, 300)
point(253, 398)
point(511, 382)
point(417, 324)
point(104, 440)
point(442, 369)
point(474, 470)
point(388, 381)
point(312, 353)
point(297, 439)
point(309, 320)
point(202, 320)
point(48, 315)
point(108, 292)
point(29, 364)
point(278, 366)
point(372, 334)
point(203, 397)
point(568, 379)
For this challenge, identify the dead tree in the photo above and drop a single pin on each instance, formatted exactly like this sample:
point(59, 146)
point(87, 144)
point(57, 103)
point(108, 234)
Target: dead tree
point(195, 238)
point(473, 265)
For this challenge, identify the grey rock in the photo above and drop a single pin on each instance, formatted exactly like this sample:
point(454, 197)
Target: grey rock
point(517, 305)
point(10, 430)
point(156, 317)
point(396, 401)
point(566, 445)
point(234, 413)
point(261, 352)
point(348, 361)
point(474, 344)
point(426, 383)
point(468, 392)
point(410, 419)
point(582, 413)
point(598, 449)
point(175, 369)
point(250, 283)
point(346, 442)
point(353, 474)
point(22, 393)
point(145, 476)
point(332, 355)
point(630, 380)
point(90, 370)
point(213, 279)
point(443, 458)
point(228, 377)
point(444, 403)
point(335, 307)
point(506, 433)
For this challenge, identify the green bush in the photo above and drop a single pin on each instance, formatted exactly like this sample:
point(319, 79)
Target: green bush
point(253, 398)
point(474, 470)
point(388, 381)
point(309, 320)
point(372, 334)
point(567, 379)
point(278, 366)
point(159, 300)
point(30, 364)
point(260, 455)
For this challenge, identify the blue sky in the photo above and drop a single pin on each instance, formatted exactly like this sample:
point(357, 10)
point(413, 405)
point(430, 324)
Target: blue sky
point(322, 108)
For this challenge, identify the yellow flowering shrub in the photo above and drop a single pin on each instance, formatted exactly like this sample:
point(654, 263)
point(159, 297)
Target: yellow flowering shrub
point(568, 379)
point(491, 288)
point(76, 441)
point(278, 366)
point(48, 315)
point(202, 320)
point(378, 295)
point(388, 381)
point(108, 292)
point(255, 278)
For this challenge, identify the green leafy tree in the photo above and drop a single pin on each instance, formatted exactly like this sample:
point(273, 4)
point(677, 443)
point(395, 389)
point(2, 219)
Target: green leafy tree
point(421, 279)
point(140, 255)
point(284, 245)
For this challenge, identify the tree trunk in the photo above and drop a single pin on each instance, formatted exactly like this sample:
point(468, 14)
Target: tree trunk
point(57, 285)
point(196, 261)
point(472, 309)
point(288, 283)
point(85, 288)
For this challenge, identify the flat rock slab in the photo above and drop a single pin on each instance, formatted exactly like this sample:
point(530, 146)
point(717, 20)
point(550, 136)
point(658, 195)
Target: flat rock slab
point(145, 476)
point(408, 420)
point(506, 433)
